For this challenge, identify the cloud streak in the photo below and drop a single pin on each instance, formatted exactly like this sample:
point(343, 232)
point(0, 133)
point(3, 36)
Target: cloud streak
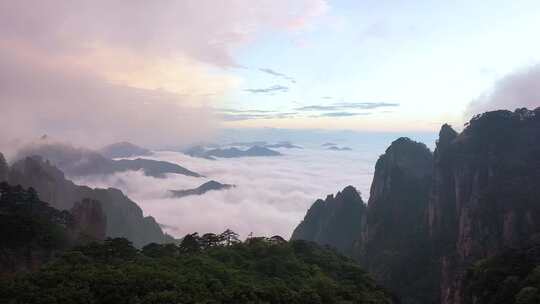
point(271, 89)
point(249, 115)
point(348, 106)
point(342, 114)
point(277, 74)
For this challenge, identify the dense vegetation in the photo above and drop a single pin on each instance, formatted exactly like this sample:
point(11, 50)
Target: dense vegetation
point(513, 277)
point(208, 269)
point(32, 231)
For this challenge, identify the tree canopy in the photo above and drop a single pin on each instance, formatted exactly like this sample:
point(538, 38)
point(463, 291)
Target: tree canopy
point(207, 269)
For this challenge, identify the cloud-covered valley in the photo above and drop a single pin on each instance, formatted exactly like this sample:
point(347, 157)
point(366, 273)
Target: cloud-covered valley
point(271, 197)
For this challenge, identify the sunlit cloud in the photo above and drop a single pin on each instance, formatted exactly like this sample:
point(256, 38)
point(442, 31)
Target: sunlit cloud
point(102, 71)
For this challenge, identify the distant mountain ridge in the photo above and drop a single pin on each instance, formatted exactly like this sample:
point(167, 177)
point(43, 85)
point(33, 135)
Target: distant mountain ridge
point(202, 189)
point(124, 149)
point(124, 217)
point(232, 152)
point(279, 144)
point(82, 162)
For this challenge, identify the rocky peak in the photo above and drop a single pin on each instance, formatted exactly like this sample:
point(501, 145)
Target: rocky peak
point(446, 135)
point(348, 194)
point(395, 233)
point(404, 159)
point(336, 221)
point(90, 220)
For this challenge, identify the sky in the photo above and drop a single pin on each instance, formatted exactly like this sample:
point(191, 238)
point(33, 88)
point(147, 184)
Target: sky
point(178, 71)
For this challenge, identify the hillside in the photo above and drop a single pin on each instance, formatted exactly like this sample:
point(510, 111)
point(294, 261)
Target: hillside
point(124, 217)
point(200, 270)
point(33, 232)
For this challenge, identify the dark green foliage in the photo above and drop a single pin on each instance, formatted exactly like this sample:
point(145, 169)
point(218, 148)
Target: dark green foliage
point(259, 270)
point(31, 229)
point(511, 277)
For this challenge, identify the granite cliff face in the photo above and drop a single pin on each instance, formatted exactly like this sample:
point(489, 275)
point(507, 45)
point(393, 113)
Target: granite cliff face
point(485, 195)
point(430, 218)
point(394, 246)
point(89, 219)
point(124, 217)
point(336, 221)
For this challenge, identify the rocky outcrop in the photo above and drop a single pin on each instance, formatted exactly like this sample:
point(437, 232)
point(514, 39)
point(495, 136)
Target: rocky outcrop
point(485, 194)
point(336, 221)
point(124, 217)
point(90, 220)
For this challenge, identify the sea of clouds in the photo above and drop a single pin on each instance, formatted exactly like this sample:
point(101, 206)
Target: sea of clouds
point(271, 196)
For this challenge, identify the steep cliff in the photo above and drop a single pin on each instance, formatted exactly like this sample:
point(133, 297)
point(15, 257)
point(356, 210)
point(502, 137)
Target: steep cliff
point(485, 193)
point(336, 221)
point(395, 246)
point(89, 219)
point(124, 217)
point(430, 218)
